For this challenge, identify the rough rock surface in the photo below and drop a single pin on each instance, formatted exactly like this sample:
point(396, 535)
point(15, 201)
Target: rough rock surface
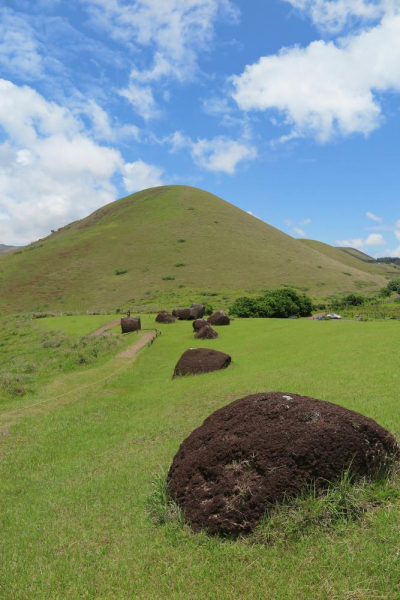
point(206, 333)
point(183, 314)
point(165, 317)
point(197, 311)
point(201, 360)
point(219, 318)
point(199, 324)
point(265, 447)
point(130, 324)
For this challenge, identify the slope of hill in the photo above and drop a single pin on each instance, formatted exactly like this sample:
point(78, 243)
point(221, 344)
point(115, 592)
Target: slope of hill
point(350, 257)
point(173, 242)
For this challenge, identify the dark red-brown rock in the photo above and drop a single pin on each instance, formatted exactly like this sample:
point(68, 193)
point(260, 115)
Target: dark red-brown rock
point(265, 448)
point(165, 317)
point(199, 324)
point(183, 314)
point(197, 311)
point(129, 324)
point(219, 318)
point(201, 360)
point(206, 333)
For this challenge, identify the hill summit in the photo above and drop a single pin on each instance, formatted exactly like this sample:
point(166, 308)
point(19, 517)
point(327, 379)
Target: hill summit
point(161, 245)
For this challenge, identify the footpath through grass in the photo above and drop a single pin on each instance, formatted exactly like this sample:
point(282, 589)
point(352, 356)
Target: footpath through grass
point(77, 476)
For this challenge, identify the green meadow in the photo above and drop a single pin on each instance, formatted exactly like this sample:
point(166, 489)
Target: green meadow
point(83, 450)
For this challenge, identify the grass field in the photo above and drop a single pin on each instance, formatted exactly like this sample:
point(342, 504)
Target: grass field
point(160, 247)
point(77, 472)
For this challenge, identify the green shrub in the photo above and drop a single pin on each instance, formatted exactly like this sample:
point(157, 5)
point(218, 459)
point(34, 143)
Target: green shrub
point(120, 271)
point(168, 278)
point(274, 304)
point(180, 265)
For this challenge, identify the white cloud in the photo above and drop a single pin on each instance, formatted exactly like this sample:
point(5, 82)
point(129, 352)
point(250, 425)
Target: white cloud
point(51, 170)
point(334, 14)
point(393, 253)
point(221, 154)
point(374, 239)
point(327, 88)
point(139, 176)
point(297, 228)
point(175, 32)
point(19, 48)
point(142, 100)
point(299, 232)
point(374, 217)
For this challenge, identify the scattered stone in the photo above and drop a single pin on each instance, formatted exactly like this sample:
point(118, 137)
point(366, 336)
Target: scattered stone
point(183, 314)
point(197, 311)
point(206, 333)
point(219, 318)
point(201, 360)
point(129, 324)
point(265, 448)
point(165, 317)
point(199, 324)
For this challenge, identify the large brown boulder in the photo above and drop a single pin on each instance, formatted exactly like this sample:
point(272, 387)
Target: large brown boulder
point(197, 311)
point(265, 448)
point(130, 324)
point(219, 318)
point(165, 317)
point(183, 314)
point(199, 324)
point(201, 360)
point(206, 333)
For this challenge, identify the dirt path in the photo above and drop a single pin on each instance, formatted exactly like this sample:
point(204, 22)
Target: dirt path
point(105, 328)
point(134, 349)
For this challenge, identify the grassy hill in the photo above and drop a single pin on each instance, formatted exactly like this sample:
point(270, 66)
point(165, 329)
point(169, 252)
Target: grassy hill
point(168, 244)
point(354, 258)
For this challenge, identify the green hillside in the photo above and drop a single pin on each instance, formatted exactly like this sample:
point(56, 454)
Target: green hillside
point(354, 258)
point(173, 242)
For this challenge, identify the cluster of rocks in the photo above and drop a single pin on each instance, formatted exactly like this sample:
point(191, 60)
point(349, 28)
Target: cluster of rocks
point(196, 311)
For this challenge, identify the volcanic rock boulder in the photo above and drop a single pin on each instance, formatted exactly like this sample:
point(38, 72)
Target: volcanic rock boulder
point(165, 317)
point(206, 333)
point(197, 311)
point(199, 324)
point(201, 360)
point(219, 318)
point(183, 314)
point(130, 324)
point(264, 448)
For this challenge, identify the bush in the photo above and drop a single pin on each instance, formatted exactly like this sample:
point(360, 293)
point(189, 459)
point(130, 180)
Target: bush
point(180, 265)
point(353, 300)
point(274, 304)
point(120, 271)
point(168, 278)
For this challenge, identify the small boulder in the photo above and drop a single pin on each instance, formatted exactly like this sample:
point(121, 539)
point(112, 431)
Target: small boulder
point(199, 324)
point(165, 317)
point(129, 324)
point(183, 314)
point(266, 448)
point(201, 360)
point(197, 311)
point(206, 333)
point(219, 318)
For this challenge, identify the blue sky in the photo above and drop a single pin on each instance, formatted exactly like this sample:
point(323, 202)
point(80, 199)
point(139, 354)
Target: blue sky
point(286, 108)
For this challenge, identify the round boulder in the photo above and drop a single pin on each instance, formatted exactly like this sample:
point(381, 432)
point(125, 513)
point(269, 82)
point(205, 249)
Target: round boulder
point(197, 311)
point(129, 324)
point(264, 448)
point(183, 314)
point(206, 333)
point(201, 360)
point(199, 324)
point(165, 317)
point(219, 318)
